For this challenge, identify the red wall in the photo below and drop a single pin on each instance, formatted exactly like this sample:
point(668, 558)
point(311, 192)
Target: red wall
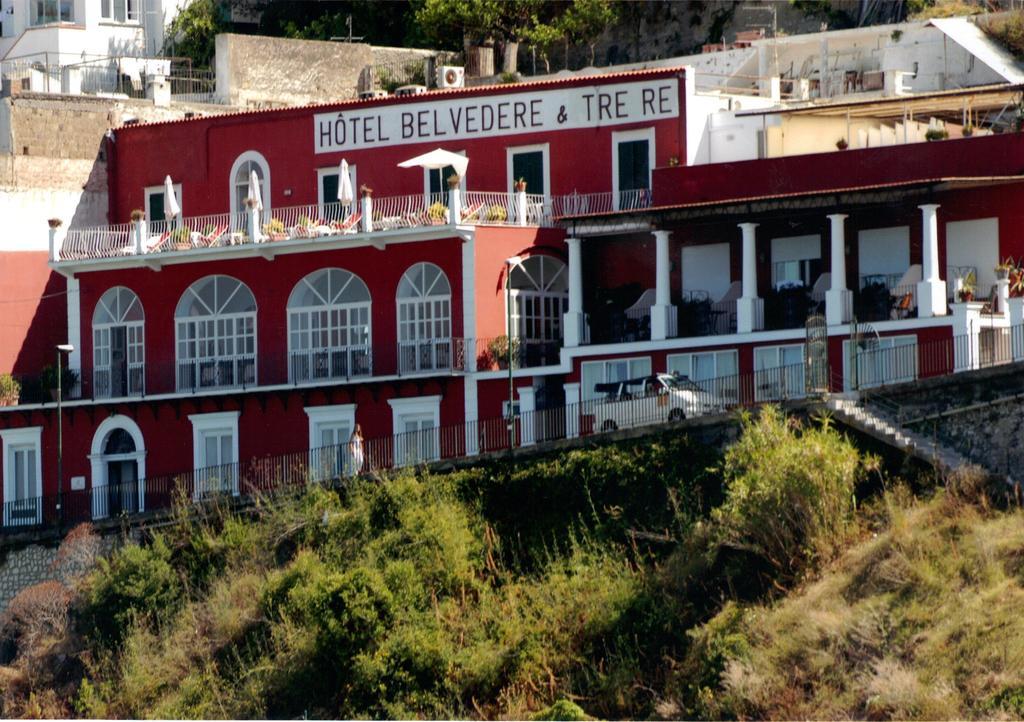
point(976, 156)
point(271, 283)
point(199, 153)
point(33, 312)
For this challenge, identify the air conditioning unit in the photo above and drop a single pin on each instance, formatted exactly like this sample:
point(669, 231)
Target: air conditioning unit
point(405, 90)
point(373, 94)
point(451, 76)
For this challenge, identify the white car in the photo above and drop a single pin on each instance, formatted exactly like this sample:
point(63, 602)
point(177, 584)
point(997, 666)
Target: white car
point(651, 400)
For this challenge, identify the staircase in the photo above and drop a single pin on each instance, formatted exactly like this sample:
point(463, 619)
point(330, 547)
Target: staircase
point(880, 422)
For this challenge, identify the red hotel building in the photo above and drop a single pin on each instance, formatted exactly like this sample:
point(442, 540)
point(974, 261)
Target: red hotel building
point(232, 333)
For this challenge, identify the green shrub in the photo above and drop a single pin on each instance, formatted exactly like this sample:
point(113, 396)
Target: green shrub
point(789, 493)
point(563, 709)
point(135, 583)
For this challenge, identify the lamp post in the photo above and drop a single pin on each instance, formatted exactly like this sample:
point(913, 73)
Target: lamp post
point(61, 350)
point(510, 263)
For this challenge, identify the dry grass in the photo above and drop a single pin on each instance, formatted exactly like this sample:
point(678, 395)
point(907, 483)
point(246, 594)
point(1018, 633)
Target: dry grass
point(922, 621)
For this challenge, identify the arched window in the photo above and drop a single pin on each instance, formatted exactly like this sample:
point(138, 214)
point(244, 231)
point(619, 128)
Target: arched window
point(540, 295)
point(329, 327)
point(243, 167)
point(216, 334)
point(424, 320)
point(118, 344)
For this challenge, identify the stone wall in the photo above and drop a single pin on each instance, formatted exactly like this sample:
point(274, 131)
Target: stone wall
point(258, 71)
point(22, 567)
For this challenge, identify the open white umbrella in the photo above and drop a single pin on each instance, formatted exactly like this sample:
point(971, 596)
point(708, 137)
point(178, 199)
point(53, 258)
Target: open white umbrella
point(254, 190)
point(436, 159)
point(171, 207)
point(345, 194)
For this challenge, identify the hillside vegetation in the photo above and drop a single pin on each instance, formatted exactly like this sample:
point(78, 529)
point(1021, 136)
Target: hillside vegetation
point(652, 578)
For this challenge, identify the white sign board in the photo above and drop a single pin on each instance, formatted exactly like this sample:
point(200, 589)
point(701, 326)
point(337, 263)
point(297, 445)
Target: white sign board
point(486, 116)
point(77, 483)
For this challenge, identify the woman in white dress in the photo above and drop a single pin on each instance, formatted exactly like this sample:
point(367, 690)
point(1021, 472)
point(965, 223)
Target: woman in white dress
point(355, 445)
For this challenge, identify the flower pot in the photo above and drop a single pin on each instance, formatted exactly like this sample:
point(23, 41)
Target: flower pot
point(1002, 274)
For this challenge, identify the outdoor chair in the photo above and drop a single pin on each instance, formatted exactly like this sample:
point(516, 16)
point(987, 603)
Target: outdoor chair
point(349, 225)
point(472, 211)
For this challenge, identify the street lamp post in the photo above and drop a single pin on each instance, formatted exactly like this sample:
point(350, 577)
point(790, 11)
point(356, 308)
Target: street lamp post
point(510, 263)
point(61, 350)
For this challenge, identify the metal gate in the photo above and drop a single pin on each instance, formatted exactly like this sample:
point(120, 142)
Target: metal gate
point(816, 354)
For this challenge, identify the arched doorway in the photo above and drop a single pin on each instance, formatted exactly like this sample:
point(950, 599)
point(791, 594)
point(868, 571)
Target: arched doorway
point(118, 468)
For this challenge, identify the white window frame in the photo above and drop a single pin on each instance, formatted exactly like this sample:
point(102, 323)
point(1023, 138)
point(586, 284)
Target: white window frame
point(196, 360)
point(584, 396)
point(101, 345)
point(421, 406)
point(545, 149)
point(203, 424)
point(265, 195)
point(14, 440)
point(542, 298)
point(129, 18)
point(34, 22)
point(420, 310)
point(723, 386)
point(321, 462)
point(886, 343)
point(627, 136)
point(153, 190)
point(329, 309)
point(333, 170)
point(97, 459)
point(444, 190)
point(781, 393)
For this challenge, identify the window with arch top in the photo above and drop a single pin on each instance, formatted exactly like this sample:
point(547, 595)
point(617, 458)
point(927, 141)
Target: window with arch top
point(329, 327)
point(424, 320)
point(540, 295)
point(215, 329)
point(244, 164)
point(118, 344)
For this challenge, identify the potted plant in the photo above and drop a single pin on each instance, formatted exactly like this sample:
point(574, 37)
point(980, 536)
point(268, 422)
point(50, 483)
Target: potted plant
point(936, 134)
point(497, 214)
point(498, 350)
point(275, 229)
point(181, 239)
point(365, 190)
point(521, 185)
point(966, 290)
point(137, 215)
point(250, 203)
point(453, 181)
point(437, 212)
point(10, 390)
point(1003, 269)
point(841, 144)
point(69, 378)
point(55, 223)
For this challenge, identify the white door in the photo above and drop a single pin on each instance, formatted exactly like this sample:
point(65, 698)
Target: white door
point(218, 468)
point(25, 507)
point(331, 458)
point(418, 440)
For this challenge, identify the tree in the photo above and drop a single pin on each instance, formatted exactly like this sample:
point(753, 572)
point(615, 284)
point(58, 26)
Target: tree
point(584, 22)
point(193, 31)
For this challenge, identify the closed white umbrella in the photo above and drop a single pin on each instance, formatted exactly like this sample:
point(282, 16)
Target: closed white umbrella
point(171, 207)
point(254, 191)
point(436, 159)
point(345, 194)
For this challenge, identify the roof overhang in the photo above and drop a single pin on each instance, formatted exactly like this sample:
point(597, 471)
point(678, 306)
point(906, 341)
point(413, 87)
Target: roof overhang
point(767, 206)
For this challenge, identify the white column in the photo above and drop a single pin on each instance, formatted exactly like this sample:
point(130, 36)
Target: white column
point(572, 410)
point(54, 250)
point(1003, 294)
point(931, 291)
point(527, 415)
point(966, 332)
point(521, 207)
point(574, 319)
point(1015, 314)
point(367, 213)
point(470, 405)
point(455, 205)
point(74, 325)
point(140, 236)
point(663, 313)
point(838, 299)
point(749, 308)
point(823, 68)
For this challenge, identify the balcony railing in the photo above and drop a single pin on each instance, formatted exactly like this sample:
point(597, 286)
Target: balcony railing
point(330, 364)
point(584, 204)
point(306, 222)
